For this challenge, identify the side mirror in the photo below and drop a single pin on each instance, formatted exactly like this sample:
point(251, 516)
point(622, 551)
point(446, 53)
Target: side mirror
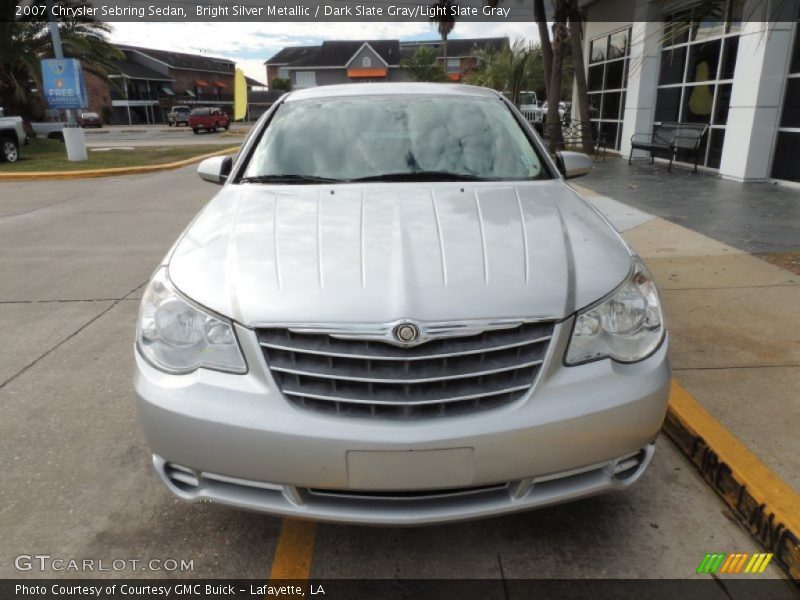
point(573, 164)
point(215, 169)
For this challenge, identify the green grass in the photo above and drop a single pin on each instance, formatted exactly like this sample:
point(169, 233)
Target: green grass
point(51, 155)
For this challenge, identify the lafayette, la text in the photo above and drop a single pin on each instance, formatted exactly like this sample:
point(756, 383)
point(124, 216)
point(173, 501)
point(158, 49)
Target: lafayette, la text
point(146, 589)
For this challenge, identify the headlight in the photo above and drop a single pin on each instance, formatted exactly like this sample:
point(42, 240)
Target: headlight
point(627, 326)
point(178, 337)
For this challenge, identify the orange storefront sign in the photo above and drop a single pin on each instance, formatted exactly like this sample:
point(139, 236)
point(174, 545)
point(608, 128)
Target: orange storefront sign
point(359, 73)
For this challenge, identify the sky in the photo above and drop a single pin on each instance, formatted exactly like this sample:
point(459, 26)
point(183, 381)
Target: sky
point(250, 44)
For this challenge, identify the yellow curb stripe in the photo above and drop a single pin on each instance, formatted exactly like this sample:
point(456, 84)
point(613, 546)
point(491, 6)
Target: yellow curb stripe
point(763, 502)
point(295, 550)
point(112, 172)
point(762, 482)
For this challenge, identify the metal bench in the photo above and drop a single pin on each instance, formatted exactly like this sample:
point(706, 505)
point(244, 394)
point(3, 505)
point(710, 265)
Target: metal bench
point(571, 134)
point(671, 138)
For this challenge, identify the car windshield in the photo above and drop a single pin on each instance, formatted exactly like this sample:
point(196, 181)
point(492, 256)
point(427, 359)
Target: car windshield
point(409, 137)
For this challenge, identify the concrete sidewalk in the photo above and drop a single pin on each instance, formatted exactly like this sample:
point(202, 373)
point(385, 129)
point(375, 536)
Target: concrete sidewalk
point(733, 321)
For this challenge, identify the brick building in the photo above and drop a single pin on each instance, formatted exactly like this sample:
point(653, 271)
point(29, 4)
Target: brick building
point(144, 86)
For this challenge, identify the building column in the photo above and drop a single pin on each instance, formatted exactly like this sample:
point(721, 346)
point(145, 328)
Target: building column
point(643, 69)
point(756, 98)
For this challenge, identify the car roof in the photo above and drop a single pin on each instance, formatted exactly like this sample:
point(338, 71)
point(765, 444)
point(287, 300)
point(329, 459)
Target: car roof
point(390, 89)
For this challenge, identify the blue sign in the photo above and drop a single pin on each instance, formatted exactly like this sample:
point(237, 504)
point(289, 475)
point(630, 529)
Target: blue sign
point(63, 83)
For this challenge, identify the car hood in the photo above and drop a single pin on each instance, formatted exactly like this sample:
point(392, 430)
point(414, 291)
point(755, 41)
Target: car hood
point(376, 253)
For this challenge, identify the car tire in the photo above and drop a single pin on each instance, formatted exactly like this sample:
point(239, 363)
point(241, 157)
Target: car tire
point(214, 129)
point(9, 150)
point(227, 127)
point(169, 124)
point(196, 130)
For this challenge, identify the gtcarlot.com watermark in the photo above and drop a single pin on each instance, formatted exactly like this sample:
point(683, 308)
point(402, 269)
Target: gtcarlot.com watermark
point(48, 563)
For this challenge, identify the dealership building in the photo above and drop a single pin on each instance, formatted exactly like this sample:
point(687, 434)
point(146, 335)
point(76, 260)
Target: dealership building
point(738, 73)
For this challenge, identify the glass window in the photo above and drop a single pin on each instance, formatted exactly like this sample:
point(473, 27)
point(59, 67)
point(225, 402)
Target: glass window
point(703, 62)
point(787, 156)
point(453, 65)
point(676, 29)
point(795, 66)
point(723, 104)
point(791, 104)
point(348, 138)
point(306, 78)
point(698, 101)
point(715, 143)
point(595, 82)
point(672, 63)
point(594, 106)
point(597, 50)
point(618, 45)
point(614, 74)
point(607, 79)
point(729, 57)
point(668, 104)
point(609, 130)
point(366, 62)
point(708, 28)
point(611, 103)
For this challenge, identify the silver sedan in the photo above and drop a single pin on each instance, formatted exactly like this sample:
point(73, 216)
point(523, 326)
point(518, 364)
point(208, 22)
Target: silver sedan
point(396, 311)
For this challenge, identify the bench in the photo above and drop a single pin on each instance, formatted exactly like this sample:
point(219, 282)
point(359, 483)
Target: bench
point(571, 134)
point(671, 138)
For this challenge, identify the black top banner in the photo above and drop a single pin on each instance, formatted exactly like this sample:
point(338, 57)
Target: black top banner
point(278, 10)
point(395, 10)
point(399, 589)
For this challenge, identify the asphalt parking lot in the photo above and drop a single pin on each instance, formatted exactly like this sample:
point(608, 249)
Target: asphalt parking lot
point(77, 480)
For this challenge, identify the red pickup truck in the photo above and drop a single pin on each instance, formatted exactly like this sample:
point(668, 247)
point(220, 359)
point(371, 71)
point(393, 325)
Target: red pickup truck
point(210, 119)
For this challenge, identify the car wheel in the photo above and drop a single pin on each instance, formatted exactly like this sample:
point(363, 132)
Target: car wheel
point(170, 124)
point(228, 126)
point(196, 130)
point(9, 151)
point(214, 129)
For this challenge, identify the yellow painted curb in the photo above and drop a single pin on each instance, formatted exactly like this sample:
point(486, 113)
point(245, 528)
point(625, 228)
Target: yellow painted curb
point(762, 501)
point(295, 550)
point(111, 172)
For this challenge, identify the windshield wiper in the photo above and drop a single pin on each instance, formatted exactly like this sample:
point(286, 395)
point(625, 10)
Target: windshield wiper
point(289, 178)
point(421, 176)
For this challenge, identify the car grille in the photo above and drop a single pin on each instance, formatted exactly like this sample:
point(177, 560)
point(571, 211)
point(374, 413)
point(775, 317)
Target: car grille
point(375, 379)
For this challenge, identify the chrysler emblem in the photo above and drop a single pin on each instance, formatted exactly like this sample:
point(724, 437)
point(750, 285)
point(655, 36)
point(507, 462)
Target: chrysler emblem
point(406, 333)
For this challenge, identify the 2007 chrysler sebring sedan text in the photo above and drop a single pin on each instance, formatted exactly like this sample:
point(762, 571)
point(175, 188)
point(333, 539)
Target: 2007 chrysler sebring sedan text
point(396, 311)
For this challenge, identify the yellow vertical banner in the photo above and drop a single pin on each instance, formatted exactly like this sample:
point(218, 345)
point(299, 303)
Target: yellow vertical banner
point(239, 95)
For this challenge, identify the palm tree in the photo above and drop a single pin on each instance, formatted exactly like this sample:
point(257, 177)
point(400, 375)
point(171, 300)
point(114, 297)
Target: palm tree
point(544, 39)
point(445, 23)
point(507, 70)
point(576, 42)
point(423, 66)
point(25, 42)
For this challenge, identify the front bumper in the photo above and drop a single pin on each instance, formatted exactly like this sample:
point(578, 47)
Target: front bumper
point(233, 439)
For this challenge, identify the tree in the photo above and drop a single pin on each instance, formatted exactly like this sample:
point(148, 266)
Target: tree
point(23, 43)
point(423, 66)
point(544, 40)
point(560, 38)
point(507, 70)
point(445, 22)
point(281, 83)
point(581, 92)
